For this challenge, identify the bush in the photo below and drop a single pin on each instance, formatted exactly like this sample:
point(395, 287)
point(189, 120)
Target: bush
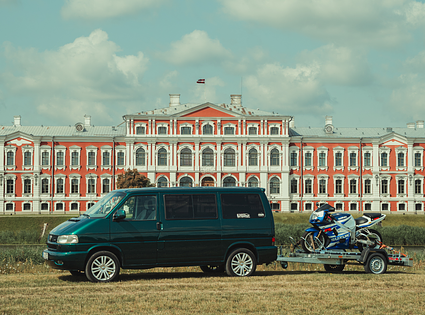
point(22, 254)
point(284, 231)
point(402, 235)
point(21, 237)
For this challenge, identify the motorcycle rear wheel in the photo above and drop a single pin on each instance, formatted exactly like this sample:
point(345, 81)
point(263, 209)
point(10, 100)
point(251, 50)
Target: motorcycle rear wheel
point(311, 244)
point(377, 240)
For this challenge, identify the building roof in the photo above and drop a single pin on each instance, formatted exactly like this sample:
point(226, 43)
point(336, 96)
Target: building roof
point(64, 131)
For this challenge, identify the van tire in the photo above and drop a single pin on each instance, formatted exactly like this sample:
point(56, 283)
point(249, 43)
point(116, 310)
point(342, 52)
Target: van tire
point(102, 266)
point(241, 263)
point(212, 268)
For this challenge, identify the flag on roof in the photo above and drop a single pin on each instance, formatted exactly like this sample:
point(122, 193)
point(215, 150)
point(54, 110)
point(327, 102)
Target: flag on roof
point(202, 81)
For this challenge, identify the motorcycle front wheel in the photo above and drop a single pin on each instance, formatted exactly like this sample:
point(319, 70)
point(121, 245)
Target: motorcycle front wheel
point(310, 243)
point(374, 236)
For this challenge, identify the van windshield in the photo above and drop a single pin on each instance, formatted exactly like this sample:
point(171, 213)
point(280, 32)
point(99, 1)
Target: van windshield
point(105, 205)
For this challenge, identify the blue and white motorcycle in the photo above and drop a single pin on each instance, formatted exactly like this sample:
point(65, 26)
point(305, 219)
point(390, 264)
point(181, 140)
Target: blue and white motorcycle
point(340, 231)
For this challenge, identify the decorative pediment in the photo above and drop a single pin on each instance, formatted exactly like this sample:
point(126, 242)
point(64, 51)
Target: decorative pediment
point(208, 110)
point(19, 141)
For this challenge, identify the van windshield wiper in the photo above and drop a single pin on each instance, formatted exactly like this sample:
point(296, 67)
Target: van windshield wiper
point(86, 215)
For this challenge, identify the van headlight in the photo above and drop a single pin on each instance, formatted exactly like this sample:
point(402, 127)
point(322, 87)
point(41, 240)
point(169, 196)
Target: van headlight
point(67, 239)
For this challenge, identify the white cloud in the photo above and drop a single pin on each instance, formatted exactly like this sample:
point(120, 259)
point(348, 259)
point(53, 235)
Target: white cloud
point(206, 92)
point(195, 48)
point(383, 23)
point(407, 100)
point(78, 77)
point(290, 90)
point(102, 9)
point(339, 65)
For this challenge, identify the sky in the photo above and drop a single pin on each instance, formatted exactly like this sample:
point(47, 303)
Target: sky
point(360, 61)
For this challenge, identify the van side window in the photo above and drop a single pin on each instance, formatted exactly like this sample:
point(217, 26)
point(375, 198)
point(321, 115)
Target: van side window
point(181, 207)
point(140, 208)
point(242, 206)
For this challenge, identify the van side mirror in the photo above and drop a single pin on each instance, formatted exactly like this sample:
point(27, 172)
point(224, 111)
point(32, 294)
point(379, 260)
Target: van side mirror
point(119, 215)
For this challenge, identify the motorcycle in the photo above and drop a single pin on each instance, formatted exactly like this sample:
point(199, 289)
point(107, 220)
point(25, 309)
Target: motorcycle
point(340, 231)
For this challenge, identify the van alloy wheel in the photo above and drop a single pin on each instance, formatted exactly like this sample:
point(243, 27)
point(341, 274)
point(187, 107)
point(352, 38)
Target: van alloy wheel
point(241, 263)
point(102, 267)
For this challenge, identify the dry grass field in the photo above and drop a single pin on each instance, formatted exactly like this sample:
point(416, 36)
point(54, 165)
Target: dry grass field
point(300, 289)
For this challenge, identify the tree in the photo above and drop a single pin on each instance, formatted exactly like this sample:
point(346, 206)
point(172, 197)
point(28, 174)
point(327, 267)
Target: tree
point(132, 179)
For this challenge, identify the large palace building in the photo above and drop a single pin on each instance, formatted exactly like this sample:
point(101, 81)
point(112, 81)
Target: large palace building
point(52, 169)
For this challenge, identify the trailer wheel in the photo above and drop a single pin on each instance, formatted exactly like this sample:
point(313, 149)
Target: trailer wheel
point(376, 264)
point(102, 267)
point(241, 263)
point(212, 269)
point(334, 268)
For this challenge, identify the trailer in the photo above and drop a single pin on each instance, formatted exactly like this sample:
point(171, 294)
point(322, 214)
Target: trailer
point(374, 260)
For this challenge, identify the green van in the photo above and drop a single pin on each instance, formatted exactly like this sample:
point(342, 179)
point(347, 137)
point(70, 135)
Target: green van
point(217, 228)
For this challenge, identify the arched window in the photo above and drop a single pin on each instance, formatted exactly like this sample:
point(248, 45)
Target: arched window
point(140, 157)
point(162, 182)
point(274, 185)
point(186, 157)
point(162, 157)
point(274, 157)
point(229, 157)
point(253, 182)
point(252, 157)
point(229, 182)
point(186, 182)
point(208, 157)
point(207, 130)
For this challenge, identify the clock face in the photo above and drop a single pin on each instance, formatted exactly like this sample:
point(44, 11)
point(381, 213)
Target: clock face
point(328, 129)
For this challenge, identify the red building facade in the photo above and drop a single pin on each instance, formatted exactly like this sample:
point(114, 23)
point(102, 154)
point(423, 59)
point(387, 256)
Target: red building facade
point(65, 169)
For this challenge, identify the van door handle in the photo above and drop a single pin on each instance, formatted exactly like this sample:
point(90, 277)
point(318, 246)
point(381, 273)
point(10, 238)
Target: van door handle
point(159, 226)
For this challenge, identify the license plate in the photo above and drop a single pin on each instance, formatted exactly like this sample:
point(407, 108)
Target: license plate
point(46, 255)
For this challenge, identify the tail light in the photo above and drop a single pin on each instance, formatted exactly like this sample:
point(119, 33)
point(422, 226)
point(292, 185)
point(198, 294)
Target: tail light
point(273, 240)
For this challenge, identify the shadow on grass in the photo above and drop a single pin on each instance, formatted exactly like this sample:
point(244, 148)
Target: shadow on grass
point(126, 277)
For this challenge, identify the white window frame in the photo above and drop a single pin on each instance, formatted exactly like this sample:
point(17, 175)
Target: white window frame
point(274, 125)
point(388, 178)
point(252, 125)
point(70, 208)
point(49, 185)
point(91, 149)
point(208, 123)
point(326, 178)
point(44, 149)
point(57, 177)
point(119, 149)
point(364, 151)
point(280, 185)
point(167, 149)
point(103, 149)
point(405, 206)
point(88, 177)
point(248, 149)
point(102, 177)
point(364, 178)
point(403, 150)
point(13, 206)
point(209, 168)
point(26, 202)
point(349, 179)
point(10, 148)
point(186, 125)
point(405, 179)
point(353, 150)
point(305, 178)
point(342, 203)
point(162, 125)
point(269, 156)
point(353, 203)
point(310, 150)
point(335, 151)
point(387, 203)
point(25, 149)
point(420, 150)
point(421, 178)
point(235, 149)
point(234, 126)
point(57, 149)
point(342, 178)
point(387, 150)
point(145, 148)
point(186, 167)
point(140, 125)
point(55, 206)
point(77, 177)
point(294, 149)
point(77, 149)
point(23, 178)
point(325, 150)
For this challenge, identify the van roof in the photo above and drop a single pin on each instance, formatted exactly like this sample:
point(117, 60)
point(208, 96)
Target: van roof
point(192, 189)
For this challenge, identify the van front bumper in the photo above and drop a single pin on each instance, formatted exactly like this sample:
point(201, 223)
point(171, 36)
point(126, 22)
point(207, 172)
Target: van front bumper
point(65, 260)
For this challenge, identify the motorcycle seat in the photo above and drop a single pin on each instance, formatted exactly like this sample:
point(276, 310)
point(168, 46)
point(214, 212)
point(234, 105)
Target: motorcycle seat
point(372, 215)
point(361, 220)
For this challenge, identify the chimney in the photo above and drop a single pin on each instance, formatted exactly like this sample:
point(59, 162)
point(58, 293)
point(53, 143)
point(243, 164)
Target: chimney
point(236, 99)
point(328, 120)
point(419, 124)
point(17, 121)
point(87, 121)
point(174, 100)
point(292, 123)
point(411, 125)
